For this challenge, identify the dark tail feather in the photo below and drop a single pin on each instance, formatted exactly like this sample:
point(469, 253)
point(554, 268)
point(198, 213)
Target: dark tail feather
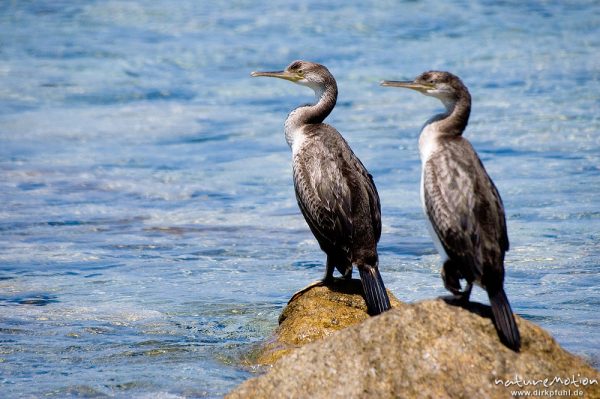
point(504, 321)
point(375, 294)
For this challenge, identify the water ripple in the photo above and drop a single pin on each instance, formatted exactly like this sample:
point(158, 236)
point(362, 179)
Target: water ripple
point(149, 231)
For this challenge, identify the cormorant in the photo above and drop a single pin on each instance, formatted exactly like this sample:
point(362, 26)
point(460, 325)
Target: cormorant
point(464, 210)
point(335, 193)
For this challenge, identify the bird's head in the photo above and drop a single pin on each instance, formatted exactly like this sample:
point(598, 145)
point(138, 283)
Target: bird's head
point(442, 85)
point(305, 73)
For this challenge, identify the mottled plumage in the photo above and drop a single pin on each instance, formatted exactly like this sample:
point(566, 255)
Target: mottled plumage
point(335, 193)
point(463, 206)
point(337, 196)
point(471, 228)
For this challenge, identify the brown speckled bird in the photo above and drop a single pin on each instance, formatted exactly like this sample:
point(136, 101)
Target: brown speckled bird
point(335, 193)
point(464, 210)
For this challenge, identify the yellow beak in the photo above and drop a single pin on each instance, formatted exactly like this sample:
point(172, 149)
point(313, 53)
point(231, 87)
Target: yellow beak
point(293, 77)
point(407, 84)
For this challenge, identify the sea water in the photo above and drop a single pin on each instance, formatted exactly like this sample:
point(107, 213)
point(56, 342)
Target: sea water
point(149, 232)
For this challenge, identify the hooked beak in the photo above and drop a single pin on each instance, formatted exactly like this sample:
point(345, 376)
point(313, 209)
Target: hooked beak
point(407, 84)
point(293, 77)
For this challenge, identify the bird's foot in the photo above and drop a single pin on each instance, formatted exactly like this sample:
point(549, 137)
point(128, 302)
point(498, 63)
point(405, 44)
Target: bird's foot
point(460, 298)
point(455, 299)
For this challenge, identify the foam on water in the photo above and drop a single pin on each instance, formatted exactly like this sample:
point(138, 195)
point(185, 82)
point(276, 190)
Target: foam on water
point(149, 231)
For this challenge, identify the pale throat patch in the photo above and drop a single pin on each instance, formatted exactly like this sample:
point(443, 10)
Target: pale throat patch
point(294, 134)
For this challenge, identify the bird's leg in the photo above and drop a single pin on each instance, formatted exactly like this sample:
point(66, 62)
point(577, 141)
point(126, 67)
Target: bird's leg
point(347, 276)
point(464, 295)
point(327, 279)
point(451, 277)
point(329, 268)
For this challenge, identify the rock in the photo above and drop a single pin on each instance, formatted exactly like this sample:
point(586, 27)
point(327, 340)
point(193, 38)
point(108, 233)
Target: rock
point(316, 314)
point(429, 349)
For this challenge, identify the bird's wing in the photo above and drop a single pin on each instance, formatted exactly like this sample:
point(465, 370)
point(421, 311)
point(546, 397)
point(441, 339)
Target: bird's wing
point(324, 197)
point(373, 195)
point(466, 210)
point(503, 234)
point(448, 190)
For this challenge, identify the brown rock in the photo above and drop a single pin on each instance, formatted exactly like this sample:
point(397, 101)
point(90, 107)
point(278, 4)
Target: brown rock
point(316, 314)
point(428, 349)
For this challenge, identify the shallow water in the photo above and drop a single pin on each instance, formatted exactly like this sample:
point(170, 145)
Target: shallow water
point(149, 231)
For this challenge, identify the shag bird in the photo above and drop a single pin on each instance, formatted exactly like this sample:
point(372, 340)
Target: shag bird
point(462, 205)
point(335, 193)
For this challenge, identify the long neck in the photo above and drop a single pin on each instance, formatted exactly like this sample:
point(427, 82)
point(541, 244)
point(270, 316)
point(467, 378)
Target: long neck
point(454, 121)
point(326, 97)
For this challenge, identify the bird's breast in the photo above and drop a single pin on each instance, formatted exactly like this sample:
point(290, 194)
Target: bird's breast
point(428, 142)
point(296, 140)
point(294, 134)
point(436, 240)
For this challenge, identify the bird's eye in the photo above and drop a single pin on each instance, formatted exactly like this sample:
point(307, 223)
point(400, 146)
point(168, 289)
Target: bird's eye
point(300, 71)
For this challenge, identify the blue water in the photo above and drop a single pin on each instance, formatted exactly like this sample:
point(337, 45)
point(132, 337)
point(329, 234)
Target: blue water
point(149, 231)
